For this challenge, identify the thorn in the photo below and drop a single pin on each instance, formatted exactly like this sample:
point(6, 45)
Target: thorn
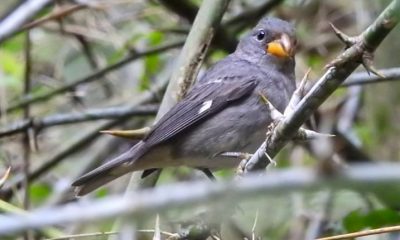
point(130, 134)
point(303, 81)
point(253, 229)
point(275, 114)
point(263, 98)
point(297, 94)
point(307, 134)
point(5, 176)
point(157, 232)
point(367, 62)
point(273, 162)
point(348, 41)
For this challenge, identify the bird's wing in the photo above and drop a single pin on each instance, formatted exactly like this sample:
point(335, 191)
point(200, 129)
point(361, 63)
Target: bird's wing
point(202, 102)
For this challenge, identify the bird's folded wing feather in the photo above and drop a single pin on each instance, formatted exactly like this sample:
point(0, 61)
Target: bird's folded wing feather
point(202, 102)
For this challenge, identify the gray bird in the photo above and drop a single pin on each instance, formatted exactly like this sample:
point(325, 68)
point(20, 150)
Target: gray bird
point(223, 112)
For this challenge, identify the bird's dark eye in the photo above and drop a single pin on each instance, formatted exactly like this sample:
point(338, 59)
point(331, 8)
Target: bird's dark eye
point(260, 35)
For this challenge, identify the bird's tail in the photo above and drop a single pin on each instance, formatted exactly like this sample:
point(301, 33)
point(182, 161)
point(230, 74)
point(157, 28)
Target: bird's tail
point(109, 171)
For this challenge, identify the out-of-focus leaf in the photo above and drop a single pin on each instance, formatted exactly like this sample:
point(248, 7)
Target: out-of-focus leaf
point(217, 55)
point(366, 134)
point(315, 61)
point(15, 44)
point(354, 221)
point(382, 217)
point(358, 220)
point(151, 63)
point(102, 192)
point(383, 122)
point(39, 192)
point(10, 64)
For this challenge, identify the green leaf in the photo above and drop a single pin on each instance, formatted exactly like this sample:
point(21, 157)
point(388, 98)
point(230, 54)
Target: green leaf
point(101, 193)
point(39, 192)
point(382, 217)
point(15, 44)
point(151, 63)
point(354, 221)
point(358, 219)
point(11, 64)
point(155, 38)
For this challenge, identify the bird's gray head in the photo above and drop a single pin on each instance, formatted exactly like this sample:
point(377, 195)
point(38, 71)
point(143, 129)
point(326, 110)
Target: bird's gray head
point(271, 43)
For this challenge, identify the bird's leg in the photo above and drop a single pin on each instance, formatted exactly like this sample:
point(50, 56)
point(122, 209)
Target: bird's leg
point(208, 173)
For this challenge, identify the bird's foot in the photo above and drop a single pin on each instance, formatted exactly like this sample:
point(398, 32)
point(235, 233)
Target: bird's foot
point(354, 44)
point(239, 155)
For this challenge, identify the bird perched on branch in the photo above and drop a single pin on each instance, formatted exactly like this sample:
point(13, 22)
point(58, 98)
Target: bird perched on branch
point(223, 112)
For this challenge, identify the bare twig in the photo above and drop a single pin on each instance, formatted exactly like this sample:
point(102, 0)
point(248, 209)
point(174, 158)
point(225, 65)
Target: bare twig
point(363, 233)
point(148, 202)
point(390, 74)
point(251, 16)
point(81, 143)
point(26, 138)
point(39, 124)
point(58, 14)
point(12, 23)
point(188, 10)
point(93, 77)
point(342, 67)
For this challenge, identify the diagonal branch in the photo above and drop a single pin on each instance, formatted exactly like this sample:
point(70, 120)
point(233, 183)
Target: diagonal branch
point(344, 65)
point(12, 23)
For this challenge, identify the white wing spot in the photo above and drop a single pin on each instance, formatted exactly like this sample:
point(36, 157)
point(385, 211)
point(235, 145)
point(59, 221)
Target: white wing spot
point(206, 105)
point(218, 80)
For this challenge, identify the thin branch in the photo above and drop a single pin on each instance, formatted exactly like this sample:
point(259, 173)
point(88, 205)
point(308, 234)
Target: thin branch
point(12, 23)
point(39, 124)
point(343, 66)
point(250, 16)
point(363, 233)
point(81, 143)
point(140, 204)
point(58, 14)
point(390, 74)
point(188, 10)
point(26, 113)
point(93, 77)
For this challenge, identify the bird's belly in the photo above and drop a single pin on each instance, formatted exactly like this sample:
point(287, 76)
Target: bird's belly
point(234, 130)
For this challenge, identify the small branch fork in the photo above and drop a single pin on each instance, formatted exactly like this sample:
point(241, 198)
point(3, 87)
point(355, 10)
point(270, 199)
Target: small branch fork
point(359, 49)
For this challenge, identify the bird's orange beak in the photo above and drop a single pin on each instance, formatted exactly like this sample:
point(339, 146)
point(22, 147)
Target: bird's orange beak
point(283, 47)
